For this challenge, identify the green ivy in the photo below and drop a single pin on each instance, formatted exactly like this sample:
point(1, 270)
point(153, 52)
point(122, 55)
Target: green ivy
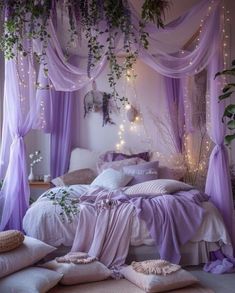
point(229, 111)
point(29, 20)
point(68, 205)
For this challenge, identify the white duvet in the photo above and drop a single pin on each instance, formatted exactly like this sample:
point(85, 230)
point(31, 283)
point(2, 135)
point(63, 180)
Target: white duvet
point(43, 221)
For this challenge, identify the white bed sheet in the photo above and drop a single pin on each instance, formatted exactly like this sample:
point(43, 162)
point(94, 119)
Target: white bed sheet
point(43, 221)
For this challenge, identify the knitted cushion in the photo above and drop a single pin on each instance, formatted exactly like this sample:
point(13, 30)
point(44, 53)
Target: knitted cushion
point(10, 240)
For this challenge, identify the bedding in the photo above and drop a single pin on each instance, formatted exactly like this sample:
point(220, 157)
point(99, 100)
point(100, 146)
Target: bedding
point(82, 176)
point(142, 172)
point(43, 221)
point(111, 179)
point(118, 165)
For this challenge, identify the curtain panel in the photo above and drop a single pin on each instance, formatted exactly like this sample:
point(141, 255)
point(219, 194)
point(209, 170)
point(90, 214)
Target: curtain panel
point(167, 58)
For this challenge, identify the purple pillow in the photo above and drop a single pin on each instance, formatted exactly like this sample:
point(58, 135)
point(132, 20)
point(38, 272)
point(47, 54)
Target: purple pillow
point(113, 156)
point(142, 172)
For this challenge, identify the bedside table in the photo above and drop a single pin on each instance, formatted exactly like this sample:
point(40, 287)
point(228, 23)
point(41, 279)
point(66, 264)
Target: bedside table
point(37, 188)
point(40, 184)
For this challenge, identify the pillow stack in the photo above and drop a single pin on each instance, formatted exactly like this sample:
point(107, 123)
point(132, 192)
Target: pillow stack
point(14, 276)
point(158, 276)
point(79, 273)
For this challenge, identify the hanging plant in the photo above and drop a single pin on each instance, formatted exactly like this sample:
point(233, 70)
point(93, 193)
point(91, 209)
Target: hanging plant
point(229, 111)
point(98, 19)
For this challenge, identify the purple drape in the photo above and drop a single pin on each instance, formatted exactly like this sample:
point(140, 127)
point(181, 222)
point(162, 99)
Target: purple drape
point(218, 184)
point(163, 56)
point(175, 105)
point(19, 116)
point(61, 132)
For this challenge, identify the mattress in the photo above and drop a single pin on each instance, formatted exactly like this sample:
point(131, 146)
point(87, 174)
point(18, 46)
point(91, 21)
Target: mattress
point(43, 221)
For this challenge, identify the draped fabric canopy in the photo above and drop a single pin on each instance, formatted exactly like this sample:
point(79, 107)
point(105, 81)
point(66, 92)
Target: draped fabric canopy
point(166, 55)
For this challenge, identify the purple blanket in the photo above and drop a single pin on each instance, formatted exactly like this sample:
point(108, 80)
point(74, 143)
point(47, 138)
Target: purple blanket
point(105, 222)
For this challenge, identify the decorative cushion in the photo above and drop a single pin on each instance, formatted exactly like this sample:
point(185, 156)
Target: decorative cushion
point(30, 251)
point(10, 240)
point(142, 172)
point(158, 187)
point(82, 158)
point(79, 273)
point(30, 280)
point(155, 267)
point(118, 165)
point(82, 176)
point(170, 173)
point(111, 179)
point(113, 156)
point(159, 283)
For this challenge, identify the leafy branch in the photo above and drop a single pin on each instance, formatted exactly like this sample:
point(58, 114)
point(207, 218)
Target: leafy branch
point(67, 204)
point(229, 111)
point(98, 19)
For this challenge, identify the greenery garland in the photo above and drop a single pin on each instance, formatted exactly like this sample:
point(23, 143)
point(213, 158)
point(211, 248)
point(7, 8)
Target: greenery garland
point(25, 19)
point(229, 111)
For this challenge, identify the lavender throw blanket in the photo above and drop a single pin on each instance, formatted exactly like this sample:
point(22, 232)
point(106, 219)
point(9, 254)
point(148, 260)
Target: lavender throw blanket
point(105, 222)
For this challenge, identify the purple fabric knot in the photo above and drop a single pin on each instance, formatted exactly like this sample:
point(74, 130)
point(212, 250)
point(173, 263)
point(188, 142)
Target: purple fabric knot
point(219, 263)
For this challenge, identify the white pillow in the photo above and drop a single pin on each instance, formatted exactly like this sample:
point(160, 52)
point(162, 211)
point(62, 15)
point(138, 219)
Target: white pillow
point(30, 280)
point(157, 187)
point(82, 158)
point(158, 283)
point(30, 251)
point(79, 273)
point(111, 179)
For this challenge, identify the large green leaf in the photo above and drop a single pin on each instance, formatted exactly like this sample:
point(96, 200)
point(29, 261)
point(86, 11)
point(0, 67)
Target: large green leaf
point(229, 138)
point(228, 86)
point(225, 96)
point(229, 111)
point(226, 72)
point(231, 124)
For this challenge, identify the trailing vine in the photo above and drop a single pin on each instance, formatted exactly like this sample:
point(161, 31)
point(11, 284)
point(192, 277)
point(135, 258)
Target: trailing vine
point(69, 206)
point(98, 19)
point(229, 111)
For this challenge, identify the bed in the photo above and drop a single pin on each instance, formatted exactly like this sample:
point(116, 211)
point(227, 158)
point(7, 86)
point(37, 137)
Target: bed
point(43, 219)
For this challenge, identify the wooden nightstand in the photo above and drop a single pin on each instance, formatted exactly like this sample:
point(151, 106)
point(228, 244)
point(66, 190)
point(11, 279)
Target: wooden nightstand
point(37, 188)
point(40, 184)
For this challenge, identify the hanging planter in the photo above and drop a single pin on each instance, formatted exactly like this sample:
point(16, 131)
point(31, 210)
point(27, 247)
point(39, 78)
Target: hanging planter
point(97, 19)
point(97, 101)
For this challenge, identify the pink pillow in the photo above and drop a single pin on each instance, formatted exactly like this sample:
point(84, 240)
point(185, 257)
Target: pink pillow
point(142, 172)
point(110, 156)
point(118, 165)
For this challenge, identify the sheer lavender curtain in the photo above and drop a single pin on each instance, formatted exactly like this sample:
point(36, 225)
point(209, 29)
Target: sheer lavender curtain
point(218, 184)
point(18, 120)
point(61, 132)
point(175, 105)
point(165, 58)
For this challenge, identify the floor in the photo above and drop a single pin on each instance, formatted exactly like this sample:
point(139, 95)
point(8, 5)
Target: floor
point(208, 283)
